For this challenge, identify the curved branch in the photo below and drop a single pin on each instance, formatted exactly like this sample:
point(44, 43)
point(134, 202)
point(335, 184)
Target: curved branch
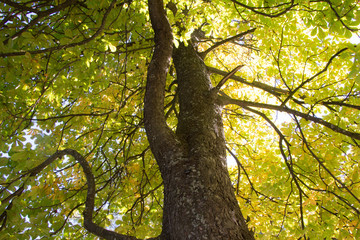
point(229, 75)
point(323, 165)
point(239, 164)
point(270, 15)
point(281, 140)
point(90, 197)
point(288, 163)
point(66, 219)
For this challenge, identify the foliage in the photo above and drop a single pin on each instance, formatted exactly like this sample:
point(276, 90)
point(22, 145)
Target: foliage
point(73, 76)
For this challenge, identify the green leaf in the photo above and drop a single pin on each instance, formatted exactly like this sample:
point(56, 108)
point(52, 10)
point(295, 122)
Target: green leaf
point(314, 31)
point(68, 33)
point(74, 76)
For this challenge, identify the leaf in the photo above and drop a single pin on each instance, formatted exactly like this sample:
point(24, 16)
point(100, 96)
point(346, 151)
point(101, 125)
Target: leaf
point(68, 33)
point(27, 35)
point(112, 47)
point(19, 156)
point(321, 33)
point(76, 78)
point(355, 176)
point(314, 31)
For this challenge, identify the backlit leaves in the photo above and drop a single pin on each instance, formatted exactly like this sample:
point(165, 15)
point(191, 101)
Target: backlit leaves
point(75, 78)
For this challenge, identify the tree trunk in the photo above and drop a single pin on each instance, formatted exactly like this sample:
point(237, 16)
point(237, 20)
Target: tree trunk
point(199, 200)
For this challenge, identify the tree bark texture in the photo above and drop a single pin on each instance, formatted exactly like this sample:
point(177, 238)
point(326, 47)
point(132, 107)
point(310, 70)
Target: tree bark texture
point(199, 200)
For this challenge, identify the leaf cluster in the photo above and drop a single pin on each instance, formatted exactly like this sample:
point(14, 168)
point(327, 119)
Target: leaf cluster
point(73, 76)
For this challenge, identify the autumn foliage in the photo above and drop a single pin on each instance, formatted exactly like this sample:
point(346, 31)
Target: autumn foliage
point(73, 76)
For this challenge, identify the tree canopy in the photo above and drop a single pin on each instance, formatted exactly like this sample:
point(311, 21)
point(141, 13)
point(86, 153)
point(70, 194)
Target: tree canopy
point(73, 78)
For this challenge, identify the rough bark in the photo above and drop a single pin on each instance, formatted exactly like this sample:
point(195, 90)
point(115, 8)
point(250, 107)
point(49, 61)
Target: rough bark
point(199, 201)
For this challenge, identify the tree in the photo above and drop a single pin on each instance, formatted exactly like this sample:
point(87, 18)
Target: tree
point(118, 119)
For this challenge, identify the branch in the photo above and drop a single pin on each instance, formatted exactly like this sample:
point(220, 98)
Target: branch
point(161, 138)
point(86, 40)
point(314, 76)
point(323, 165)
point(330, 103)
point(294, 177)
point(225, 100)
point(270, 15)
point(40, 15)
point(66, 219)
point(289, 165)
point(272, 90)
point(341, 103)
point(90, 197)
point(218, 44)
point(66, 116)
point(340, 17)
point(246, 174)
point(229, 75)
point(21, 7)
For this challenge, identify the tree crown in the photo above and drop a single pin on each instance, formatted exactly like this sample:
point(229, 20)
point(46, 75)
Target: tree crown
point(73, 77)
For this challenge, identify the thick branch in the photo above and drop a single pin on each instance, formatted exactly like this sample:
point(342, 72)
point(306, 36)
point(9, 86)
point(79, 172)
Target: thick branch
point(160, 136)
point(225, 100)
